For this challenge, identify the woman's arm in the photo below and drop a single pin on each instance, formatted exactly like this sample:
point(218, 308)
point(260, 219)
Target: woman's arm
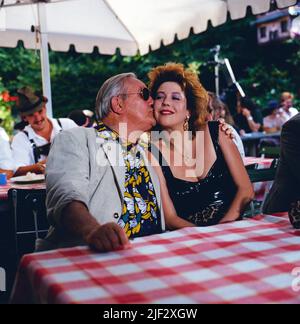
point(236, 167)
point(252, 124)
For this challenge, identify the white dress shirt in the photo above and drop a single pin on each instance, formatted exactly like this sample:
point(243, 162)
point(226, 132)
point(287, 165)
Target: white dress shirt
point(21, 146)
point(6, 160)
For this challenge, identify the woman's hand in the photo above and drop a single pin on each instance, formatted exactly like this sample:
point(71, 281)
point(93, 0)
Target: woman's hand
point(225, 128)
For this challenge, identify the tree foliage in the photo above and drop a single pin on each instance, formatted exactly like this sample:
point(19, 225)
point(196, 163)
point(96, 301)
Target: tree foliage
point(264, 72)
point(6, 118)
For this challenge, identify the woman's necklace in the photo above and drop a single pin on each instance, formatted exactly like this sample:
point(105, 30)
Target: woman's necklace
point(185, 152)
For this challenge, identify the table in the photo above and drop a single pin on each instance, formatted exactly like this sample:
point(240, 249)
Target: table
point(263, 163)
point(249, 261)
point(4, 189)
point(251, 141)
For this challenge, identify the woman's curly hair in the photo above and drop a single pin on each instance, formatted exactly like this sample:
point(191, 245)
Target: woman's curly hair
point(196, 95)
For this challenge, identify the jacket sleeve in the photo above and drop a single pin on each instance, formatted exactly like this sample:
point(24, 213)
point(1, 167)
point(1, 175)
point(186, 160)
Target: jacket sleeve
point(67, 173)
point(290, 147)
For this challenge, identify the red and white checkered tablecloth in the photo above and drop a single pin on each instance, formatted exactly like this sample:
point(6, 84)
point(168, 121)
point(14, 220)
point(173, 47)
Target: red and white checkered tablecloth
point(262, 162)
point(249, 261)
point(10, 185)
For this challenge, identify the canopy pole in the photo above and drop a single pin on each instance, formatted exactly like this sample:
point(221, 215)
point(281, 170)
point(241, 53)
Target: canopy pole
point(44, 56)
point(217, 69)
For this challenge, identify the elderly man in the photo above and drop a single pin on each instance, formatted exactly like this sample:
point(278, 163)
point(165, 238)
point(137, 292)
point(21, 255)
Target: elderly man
point(285, 192)
point(31, 146)
point(99, 190)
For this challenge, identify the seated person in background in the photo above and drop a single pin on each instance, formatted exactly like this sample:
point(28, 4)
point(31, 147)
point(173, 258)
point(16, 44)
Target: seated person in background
point(248, 118)
point(3, 133)
point(286, 187)
point(100, 189)
point(217, 109)
point(6, 161)
point(218, 189)
point(31, 146)
point(273, 122)
point(287, 111)
point(82, 118)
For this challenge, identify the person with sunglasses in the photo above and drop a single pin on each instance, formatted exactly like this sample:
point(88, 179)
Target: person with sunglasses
point(101, 191)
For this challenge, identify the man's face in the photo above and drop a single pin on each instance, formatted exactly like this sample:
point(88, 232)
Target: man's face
point(288, 103)
point(139, 112)
point(37, 120)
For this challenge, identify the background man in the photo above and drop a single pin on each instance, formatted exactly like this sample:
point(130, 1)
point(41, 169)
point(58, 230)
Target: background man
point(31, 146)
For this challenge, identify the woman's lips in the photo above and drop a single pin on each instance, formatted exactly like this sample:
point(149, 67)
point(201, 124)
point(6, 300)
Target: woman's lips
point(166, 112)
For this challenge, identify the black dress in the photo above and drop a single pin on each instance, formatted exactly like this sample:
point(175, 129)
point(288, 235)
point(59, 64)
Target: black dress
point(205, 202)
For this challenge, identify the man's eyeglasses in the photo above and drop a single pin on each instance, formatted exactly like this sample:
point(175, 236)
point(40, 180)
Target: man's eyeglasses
point(144, 93)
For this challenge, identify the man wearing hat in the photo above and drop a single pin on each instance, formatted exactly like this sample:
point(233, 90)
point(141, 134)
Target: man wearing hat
point(31, 146)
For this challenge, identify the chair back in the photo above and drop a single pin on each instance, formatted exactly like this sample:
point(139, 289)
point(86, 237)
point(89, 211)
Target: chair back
point(257, 175)
point(263, 175)
point(29, 217)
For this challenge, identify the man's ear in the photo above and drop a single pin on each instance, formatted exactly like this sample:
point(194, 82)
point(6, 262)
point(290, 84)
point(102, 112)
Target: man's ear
point(117, 105)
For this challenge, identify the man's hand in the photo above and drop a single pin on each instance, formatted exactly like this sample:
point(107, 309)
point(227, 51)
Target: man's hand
point(226, 128)
point(108, 237)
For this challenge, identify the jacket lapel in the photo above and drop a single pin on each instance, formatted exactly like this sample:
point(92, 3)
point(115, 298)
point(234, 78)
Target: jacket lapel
point(113, 151)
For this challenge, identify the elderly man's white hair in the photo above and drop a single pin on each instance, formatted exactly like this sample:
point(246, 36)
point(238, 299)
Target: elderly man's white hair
point(110, 88)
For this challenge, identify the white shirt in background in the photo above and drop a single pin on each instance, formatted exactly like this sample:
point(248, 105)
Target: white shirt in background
point(21, 147)
point(288, 115)
point(238, 141)
point(273, 122)
point(6, 160)
point(4, 135)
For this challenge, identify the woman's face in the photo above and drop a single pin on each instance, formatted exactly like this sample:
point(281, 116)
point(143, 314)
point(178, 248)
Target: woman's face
point(170, 106)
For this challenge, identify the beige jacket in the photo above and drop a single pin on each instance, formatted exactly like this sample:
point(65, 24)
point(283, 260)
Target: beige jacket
point(83, 167)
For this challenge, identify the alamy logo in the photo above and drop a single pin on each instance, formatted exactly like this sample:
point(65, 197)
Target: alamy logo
point(2, 279)
point(296, 281)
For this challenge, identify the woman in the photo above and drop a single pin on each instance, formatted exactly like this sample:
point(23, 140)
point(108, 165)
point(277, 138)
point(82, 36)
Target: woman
point(219, 193)
point(218, 110)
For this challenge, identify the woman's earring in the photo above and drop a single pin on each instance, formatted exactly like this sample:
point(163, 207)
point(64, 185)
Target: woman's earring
point(186, 123)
